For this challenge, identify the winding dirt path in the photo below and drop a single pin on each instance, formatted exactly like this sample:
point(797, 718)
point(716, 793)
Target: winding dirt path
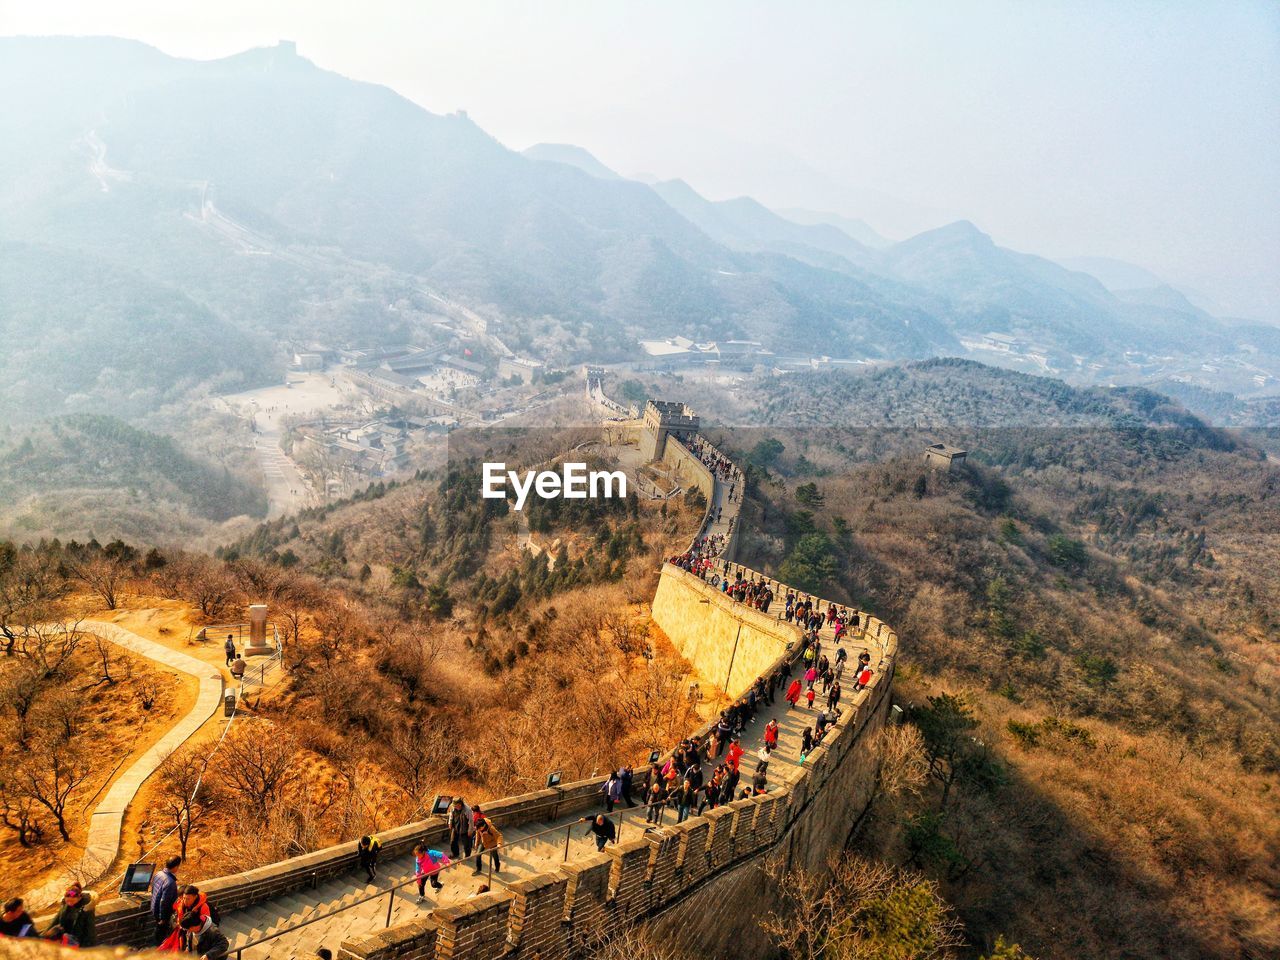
point(103, 842)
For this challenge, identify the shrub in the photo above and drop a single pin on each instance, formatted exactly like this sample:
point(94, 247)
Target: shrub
point(1026, 734)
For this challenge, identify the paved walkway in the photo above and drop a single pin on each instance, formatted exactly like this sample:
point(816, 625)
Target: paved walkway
point(103, 841)
point(728, 510)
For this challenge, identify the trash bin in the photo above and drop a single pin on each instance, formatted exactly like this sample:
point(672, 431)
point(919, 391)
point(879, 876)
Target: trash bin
point(229, 703)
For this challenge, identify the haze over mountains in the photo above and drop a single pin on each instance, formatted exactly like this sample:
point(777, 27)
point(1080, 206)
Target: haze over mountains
point(237, 197)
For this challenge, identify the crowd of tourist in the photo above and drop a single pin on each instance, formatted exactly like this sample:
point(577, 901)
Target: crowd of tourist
point(182, 918)
point(721, 467)
point(681, 783)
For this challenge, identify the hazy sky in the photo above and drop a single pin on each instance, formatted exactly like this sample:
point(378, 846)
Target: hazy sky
point(1144, 131)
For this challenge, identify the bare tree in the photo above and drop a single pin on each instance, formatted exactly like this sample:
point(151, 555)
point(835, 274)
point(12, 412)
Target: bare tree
point(523, 749)
point(630, 943)
point(168, 577)
point(49, 644)
point(293, 615)
point(863, 910)
point(58, 713)
point(904, 765)
point(207, 585)
point(298, 597)
point(341, 624)
point(410, 753)
point(409, 653)
point(105, 572)
point(903, 771)
point(654, 702)
point(809, 926)
point(183, 794)
point(629, 636)
point(20, 689)
point(324, 464)
point(255, 838)
point(258, 762)
point(259, 581)
point(31, 585)
point(18, 811)
point(146, 688)
point(104, 660)
point(50, 774)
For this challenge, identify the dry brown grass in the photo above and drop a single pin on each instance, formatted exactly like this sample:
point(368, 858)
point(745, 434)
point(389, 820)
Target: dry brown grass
point(1156, 838)
point(110, 725)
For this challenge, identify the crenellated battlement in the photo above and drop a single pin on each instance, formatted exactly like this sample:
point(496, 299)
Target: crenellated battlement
point(663, 419)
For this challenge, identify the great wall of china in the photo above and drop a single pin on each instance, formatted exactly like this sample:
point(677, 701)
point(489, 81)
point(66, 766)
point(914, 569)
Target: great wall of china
point(698, 881)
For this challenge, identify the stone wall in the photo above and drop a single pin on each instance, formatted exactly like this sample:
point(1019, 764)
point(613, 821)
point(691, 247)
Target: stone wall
point(722, 919)
point(692, 472)
point(701, 882)
point(728, 643)
point(126, 920)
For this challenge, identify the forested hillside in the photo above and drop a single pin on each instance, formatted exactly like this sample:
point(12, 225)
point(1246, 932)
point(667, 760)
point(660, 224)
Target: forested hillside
point(267, 184)
point(136, 484)
point(84, 333)
point(941, 394)
point(1090, 603)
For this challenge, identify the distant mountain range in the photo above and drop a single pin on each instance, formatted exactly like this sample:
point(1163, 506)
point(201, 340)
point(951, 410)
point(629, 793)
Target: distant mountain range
point(572, 156)
point(860, 230)
point(259, 188)
point(1113, 274)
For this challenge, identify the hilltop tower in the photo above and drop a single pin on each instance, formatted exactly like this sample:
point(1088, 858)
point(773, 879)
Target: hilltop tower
point(662, 419)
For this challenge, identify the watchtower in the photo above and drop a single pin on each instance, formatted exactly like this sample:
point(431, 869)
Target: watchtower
point(943, 455)
point(662, 419)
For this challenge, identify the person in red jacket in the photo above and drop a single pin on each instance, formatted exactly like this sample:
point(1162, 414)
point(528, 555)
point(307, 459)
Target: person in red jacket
point(734, 756)
point(793, 693)
point(771, 734)
point(192, 903)
point(863, 678)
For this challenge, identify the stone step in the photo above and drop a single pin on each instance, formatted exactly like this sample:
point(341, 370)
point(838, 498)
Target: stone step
point(251, 922)
point(295, 908)
point(249, 936)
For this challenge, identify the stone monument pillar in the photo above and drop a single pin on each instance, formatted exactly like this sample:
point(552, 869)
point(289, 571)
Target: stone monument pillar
point(258, 645)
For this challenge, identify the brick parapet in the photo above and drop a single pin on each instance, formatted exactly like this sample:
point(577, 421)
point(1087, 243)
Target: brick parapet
point(473, 929)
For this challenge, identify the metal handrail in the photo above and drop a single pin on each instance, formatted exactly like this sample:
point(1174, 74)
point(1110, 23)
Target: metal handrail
point(263, 668)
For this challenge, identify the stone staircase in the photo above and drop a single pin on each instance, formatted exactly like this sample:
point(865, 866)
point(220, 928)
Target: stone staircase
point(287, 911)
point(528, 850)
